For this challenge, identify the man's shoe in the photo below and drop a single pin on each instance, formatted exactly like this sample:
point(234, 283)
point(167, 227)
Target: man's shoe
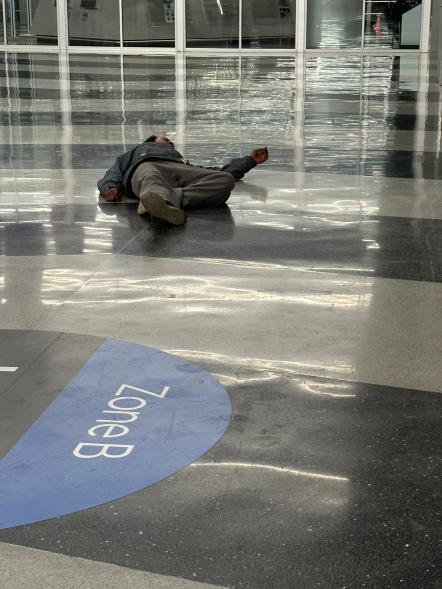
point(160, 208)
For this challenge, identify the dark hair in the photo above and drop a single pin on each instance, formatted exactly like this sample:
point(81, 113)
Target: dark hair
point(151, 139)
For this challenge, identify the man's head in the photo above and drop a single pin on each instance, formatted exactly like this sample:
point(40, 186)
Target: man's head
point(159, 139)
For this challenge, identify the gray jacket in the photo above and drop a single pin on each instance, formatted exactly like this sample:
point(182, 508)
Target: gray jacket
point(120, 173)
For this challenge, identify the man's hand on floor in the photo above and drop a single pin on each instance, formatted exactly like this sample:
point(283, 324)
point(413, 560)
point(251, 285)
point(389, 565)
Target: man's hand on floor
point(260, 155)
point(111, 195)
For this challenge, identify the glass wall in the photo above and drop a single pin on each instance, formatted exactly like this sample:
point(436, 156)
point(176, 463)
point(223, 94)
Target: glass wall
point(268, 25)
point(149, 23)
point(395, 25)
point(212, 23)
point(221, 24)
point(336, 24)
point(29, 22)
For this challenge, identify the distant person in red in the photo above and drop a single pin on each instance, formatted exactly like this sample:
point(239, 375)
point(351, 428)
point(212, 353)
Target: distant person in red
point(166, 184)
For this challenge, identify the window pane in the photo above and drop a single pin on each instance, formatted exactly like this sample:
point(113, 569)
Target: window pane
point(29, 22)
point(93, 22)
point(395, 25)
point(212, 23)
point(149, 23)
point(269, 24)
point(334, 24)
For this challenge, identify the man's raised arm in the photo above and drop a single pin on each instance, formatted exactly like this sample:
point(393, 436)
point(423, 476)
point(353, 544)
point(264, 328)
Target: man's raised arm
point(241, 165)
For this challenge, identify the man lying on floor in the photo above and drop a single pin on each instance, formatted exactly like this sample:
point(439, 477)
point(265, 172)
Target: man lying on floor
point(166, 184)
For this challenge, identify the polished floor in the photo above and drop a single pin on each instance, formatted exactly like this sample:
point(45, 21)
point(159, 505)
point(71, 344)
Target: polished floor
point(314, 297)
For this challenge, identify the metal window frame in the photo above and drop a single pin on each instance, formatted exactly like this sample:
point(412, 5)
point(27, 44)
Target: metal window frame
point(240, 13)
point(62, 24)
point(180, 37)
point(425, 27)
point(364, 16)
point(301, 26)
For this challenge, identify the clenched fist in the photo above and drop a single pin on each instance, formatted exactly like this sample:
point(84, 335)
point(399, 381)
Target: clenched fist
point(111, 195)
point(260, 155)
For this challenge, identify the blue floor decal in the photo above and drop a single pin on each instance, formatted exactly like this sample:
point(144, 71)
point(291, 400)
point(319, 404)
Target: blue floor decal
point(131, 417)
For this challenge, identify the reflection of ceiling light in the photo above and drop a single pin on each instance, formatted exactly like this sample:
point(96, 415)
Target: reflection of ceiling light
point(277, 469)
point(219, 6)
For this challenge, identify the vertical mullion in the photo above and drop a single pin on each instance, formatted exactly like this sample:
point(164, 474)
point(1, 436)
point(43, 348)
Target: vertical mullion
point(180, 25)
point(120, 16)
point(240, 25)
point(123, 89)
point(28, 16)
point(240, 101)
point(301, 25)
point(364, 12)
point(5, 32)
point(425, 26)
point(13, 29)
point(62, 24)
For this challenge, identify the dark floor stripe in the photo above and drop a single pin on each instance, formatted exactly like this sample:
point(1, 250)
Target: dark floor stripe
point(406, 249)
point(371, 95)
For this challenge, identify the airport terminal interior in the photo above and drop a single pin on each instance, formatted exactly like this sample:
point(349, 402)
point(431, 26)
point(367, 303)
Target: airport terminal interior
point(250, 400)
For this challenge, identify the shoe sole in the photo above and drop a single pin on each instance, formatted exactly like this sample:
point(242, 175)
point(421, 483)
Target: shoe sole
point(159, 208)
